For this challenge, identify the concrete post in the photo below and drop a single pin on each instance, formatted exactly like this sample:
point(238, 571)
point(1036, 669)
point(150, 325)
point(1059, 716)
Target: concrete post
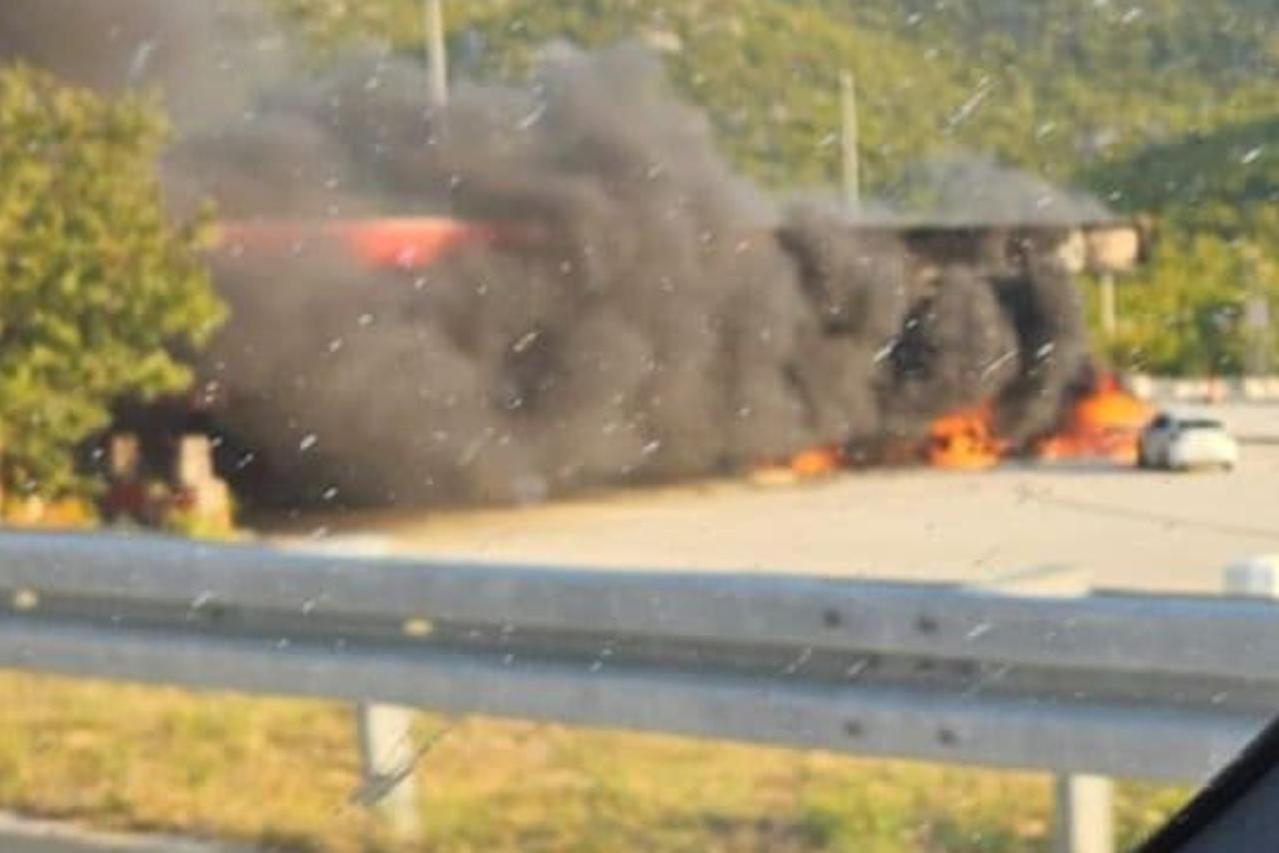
point(1085, 822)
point(388, 755)
point(124, 457)
point(1256, 578)
point(206, 495)
point(387, 759)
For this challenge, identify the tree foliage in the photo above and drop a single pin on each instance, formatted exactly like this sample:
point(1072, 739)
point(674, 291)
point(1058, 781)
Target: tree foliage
point(98, 288)
point(1216, 195)
point(1186, 310)
point(1055, 86)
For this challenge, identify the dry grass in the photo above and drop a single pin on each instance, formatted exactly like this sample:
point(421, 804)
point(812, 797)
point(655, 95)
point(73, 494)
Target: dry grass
point(283, 771)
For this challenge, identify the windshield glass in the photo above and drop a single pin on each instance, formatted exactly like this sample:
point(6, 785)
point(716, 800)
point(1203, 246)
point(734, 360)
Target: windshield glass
point(576, 424)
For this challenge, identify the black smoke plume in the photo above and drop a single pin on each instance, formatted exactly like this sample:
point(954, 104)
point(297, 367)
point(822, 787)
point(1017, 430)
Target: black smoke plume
point(642, 313)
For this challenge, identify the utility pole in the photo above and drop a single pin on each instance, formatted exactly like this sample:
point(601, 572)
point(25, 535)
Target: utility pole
point(848, 138)
point(1109, 311)
point(437, 57)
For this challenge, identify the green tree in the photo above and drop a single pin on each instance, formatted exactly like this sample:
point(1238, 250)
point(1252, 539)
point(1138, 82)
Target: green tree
point(97, 289)
point(1185, 311)
point(1055, 86)
point(1217, 248)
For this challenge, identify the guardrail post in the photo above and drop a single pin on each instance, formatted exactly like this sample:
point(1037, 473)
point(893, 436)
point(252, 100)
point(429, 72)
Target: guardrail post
point(387, 759)
point(1085, 822)
point(1256, 578)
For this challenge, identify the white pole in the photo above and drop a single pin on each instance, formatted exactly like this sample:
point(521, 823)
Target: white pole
point(387, 758)
point(437, 57)
point(849, 141)
point(1085, 814)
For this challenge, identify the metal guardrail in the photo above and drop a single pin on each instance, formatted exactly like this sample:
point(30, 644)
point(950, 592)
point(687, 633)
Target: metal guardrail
point(1250, 389)
point(1129, 686)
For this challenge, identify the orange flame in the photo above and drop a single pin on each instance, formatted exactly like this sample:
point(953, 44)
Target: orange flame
point(1104, 424)
point(817, 461)
point(964, 440)
point(804, 465)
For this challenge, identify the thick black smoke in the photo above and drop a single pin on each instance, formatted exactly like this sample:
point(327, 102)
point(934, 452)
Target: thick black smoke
point(641, 313)
point(205, 58)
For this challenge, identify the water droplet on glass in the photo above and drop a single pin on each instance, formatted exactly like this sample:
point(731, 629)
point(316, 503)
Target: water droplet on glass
point(525, 341)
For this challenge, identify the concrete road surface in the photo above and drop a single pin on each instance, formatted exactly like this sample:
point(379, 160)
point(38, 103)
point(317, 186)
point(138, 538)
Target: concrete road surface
point(1125, 528)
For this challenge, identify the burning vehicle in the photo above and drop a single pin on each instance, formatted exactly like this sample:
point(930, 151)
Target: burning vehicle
point(403, 261)
point(561, 285)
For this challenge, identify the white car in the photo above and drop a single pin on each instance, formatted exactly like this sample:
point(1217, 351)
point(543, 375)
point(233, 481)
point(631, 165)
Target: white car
point(1180, 443)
